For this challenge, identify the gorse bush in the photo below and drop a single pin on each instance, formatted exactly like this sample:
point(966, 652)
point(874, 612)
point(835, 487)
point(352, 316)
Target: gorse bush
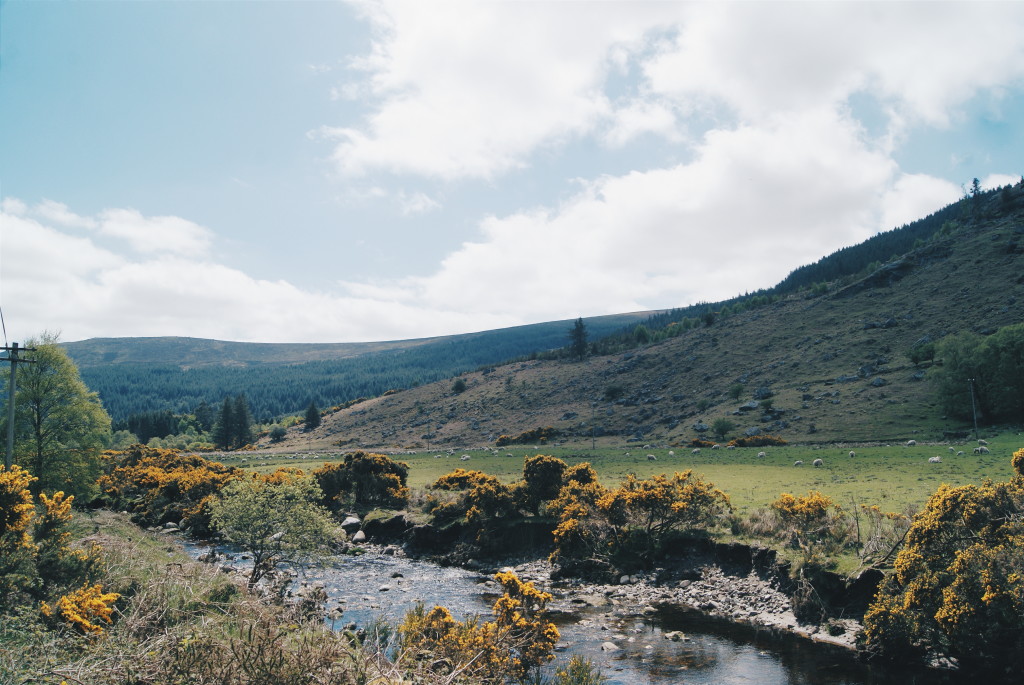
point(958, 583)
point(364, 480)
point(158, 486)
point(35, 554)
point(536, 435)
point(600, 529)
point(511, 647)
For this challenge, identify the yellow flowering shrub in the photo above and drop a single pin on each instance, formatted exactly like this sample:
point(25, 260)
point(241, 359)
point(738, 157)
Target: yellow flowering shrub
point(478, 501)
point(159, 485)
point(364, 480)
point(628, 525)
point(957, 588)
point(517, 642)
point(83, 609)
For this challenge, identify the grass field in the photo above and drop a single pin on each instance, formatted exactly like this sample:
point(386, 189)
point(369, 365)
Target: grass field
point(893, 478)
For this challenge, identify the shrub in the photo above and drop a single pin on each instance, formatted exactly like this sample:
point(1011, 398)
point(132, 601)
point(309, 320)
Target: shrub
point(542, 477)
point(516, 643)
point(479, 502)
point(758, 441)
point(83, 609)
point(630, 525)
point(157, 486)
point(537, 435)
point(364, 480)
point(958, 583)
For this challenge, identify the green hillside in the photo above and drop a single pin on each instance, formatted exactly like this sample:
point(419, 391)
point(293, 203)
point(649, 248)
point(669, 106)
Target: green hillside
point(143, 375)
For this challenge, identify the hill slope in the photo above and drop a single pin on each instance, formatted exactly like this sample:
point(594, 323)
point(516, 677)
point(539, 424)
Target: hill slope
point(140, 375)
point(835, 363)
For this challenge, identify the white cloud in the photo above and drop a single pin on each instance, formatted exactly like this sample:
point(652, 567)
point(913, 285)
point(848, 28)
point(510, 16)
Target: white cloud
point(58, 212)
point(417, 203)
point(753, 205)
point(472, 89)
point(57, 278)
point(914, 196)
point(156, 234)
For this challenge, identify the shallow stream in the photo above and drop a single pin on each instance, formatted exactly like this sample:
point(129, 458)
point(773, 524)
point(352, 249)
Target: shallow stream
point(376, 585)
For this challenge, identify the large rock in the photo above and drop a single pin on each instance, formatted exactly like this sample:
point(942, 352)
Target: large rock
point(351, 524)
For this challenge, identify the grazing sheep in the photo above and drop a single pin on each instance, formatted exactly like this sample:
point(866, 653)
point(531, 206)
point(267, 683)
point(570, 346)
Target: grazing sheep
point(715, 446)
point(464, 457)
point(981, 450)
point(982, 442)
point(671, 453)
point(798, 462)
point(952, 451)
point(651, 457)
point(960, 453)
point(852, 454)
point(696, 450)
point(730, 447)
point(437, 456)
point(762, 455)
point(911, 443)
point(935, 460)
point(818, 462)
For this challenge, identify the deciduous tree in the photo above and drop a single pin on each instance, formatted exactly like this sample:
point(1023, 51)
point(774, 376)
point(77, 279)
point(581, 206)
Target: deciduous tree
point(61, 427)
point(277, 523)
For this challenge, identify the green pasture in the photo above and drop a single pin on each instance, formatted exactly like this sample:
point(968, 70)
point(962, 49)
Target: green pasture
point(892, 477)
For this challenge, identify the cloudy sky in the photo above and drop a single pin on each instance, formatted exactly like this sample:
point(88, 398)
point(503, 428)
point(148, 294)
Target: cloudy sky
point(348, 171)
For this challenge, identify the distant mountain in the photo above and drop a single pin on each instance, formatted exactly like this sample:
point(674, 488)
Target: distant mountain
point(828, 348)
point(143, 375)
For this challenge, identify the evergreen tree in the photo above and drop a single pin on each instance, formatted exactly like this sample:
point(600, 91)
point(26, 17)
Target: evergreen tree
point(312, 416)
point(223, 428)
point(578, 339)
point(242, 430)
point(205, 416)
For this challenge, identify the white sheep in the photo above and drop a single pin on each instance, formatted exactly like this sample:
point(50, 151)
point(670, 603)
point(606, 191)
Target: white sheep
point(696, 450)
point(982, 442)
point(762, 455)
point(852, 454)
point(798, 462)
point(730, 447)
point(911, 443)
point(981, 450)
point(715, 446)
point(952, 451)
point(960, 453)
point(935, 460)
point(818, 462)
point(671, 453)
point(651, 457)
point(464, 457)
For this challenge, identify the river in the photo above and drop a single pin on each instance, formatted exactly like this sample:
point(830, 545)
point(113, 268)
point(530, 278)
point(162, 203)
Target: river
point(378, 585)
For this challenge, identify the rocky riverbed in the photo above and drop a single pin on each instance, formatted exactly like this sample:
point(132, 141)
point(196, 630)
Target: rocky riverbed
point(706, 589)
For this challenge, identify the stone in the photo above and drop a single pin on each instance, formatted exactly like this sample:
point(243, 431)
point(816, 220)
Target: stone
point(360, 536)
point(609, 647)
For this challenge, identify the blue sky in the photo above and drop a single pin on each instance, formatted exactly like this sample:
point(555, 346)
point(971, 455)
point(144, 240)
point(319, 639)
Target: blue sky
point(343, 171)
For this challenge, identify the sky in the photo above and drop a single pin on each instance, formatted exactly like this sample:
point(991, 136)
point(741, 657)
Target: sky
point(336, 171)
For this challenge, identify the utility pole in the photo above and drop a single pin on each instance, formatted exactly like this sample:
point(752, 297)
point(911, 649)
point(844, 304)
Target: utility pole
point(974, 412)
point(14, 359)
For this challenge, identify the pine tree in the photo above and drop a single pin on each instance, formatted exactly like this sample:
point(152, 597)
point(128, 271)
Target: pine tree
point(578, 339)
point(312, 416)
point(223, 429)
point(242, 430)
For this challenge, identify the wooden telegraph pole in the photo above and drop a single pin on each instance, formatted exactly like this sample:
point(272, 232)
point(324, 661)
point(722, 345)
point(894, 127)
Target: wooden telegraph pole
point(14, 359)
